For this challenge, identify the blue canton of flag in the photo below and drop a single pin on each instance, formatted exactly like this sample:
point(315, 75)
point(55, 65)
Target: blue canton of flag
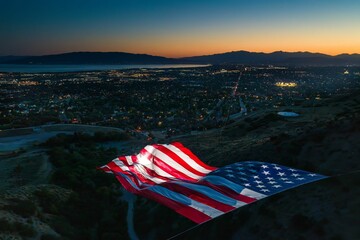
point(265, 178)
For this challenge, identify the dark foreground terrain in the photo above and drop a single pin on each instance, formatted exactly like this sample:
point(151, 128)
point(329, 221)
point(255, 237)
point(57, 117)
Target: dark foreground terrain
point(324, 210)
point(328, 145)
point(78, 202)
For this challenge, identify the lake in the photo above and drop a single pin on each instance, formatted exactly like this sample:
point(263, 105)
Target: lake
point(29, 68)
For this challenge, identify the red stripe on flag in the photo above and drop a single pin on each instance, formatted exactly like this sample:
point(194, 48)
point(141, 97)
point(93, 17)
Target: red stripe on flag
point(165, 167)
point(197, 196)
point(154, 174)
point(229, 192)
point(141, 177)
point(186, 211)
point(127, 185)
point(174, 172)
point(192, 156)
point(179, 160)
point(114, 167)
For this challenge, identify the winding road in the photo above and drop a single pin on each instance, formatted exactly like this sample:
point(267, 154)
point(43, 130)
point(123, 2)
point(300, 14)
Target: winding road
point(130, 199)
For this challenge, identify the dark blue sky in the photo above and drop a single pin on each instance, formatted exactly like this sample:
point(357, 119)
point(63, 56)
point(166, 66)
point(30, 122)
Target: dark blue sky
point(178, 28)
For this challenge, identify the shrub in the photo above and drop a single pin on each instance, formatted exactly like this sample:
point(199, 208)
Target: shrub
point(6, 226)
point(62, 226)
point(47, 236)
point(110, 136)
point(301, 222)
point(24, 208)
point(111, 236)
point(24, 229)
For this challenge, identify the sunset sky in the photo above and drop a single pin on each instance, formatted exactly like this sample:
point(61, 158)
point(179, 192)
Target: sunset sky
point(178, 28)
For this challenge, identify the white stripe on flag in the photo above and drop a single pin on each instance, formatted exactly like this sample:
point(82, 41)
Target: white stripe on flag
point(182, 199)
point(132, 183)
point(143, 160)
point(171, 162)
point(186, 158)
point(120, 164)
point(252, 194)
point(220, 181)
point(107, 167)
point(129, 160)
point(210, 193)
point(141, 169)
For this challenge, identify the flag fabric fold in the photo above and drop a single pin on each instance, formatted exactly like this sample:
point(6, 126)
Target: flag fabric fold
point(173, 176)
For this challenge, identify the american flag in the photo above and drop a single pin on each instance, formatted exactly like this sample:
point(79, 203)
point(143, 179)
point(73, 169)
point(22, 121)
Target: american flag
point(173, 176)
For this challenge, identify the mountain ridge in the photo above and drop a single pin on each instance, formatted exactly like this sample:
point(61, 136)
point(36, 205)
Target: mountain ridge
point(92, 58)
point(277, 57)
point(233, 57)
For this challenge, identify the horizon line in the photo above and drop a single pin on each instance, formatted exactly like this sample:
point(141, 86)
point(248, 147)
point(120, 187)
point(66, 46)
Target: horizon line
point(155, 55)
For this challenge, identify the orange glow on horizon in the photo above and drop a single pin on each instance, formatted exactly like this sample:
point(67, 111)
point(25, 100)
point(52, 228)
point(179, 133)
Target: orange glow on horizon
point(202, 49)
point(196, 44)
point(186, 46)
point(202, 52)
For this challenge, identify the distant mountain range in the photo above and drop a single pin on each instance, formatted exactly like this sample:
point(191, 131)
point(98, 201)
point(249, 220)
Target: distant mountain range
point(89, 58)
point(237, 57)
point(279, 57)
point(5, 59)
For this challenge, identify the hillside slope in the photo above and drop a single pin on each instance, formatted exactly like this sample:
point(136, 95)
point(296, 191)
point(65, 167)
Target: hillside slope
point(80, 202)
point(326, 140)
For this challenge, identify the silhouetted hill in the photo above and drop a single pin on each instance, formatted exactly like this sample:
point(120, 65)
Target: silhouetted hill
point(279, 57)
point(4, 59)
point(94, 58)
point(238, 57)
